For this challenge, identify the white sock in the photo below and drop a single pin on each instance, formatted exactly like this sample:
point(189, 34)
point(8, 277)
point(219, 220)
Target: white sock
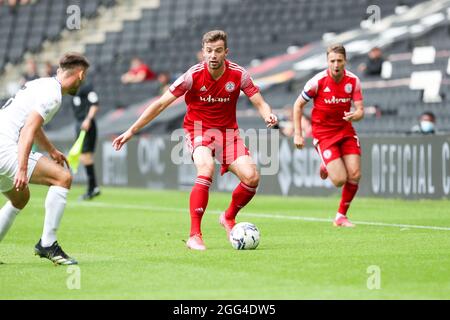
point(55, 202)
point(339, 215)
point(7, 215)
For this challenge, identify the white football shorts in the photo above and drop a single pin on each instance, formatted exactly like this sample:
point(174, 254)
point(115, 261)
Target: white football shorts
point(9, 165)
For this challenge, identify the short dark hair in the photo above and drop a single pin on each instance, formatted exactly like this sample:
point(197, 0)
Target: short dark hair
point(71, 60)
point(337, 48)
point(429, 114)
point(215, 35)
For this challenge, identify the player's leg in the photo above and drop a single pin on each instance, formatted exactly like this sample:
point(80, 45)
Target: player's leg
point(332, 157)
point(17, 201)
point(353, 167)
point(198, 201)
point(47, 172)
point(351, 156)
point(332, 165)
point(337, 172)
point(87, 159)
point(245, 169)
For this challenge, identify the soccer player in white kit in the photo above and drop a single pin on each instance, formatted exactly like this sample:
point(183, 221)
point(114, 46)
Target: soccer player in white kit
point(21, 121)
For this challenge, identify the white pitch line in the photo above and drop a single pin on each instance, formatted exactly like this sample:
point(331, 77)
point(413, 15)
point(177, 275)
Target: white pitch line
point(253, 214)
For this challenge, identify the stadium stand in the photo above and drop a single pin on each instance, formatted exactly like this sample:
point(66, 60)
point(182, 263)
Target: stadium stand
point(168, 37)
point(28, 26)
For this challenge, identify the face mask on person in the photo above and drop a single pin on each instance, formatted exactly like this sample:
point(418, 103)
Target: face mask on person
point(427, 126)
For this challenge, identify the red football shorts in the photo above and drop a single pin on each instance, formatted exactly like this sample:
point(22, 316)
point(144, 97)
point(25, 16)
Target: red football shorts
point(226, 146)
point(329, 151)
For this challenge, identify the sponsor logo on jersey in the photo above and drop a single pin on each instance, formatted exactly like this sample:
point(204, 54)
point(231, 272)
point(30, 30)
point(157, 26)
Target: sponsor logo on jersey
point(335, 100)
point(327, 90)
point(348, 88)
point(213, 100)
point(230, 86)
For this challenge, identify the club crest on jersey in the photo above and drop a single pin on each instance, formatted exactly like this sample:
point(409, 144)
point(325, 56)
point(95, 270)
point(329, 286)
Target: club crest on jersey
point(348, 88)
point(327, 154)
point(230, 86)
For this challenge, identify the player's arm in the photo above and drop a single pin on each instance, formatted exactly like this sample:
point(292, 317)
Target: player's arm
point(26, 138)
point(44, 143)
point(357, 114)
point(152, 111)
point(299, 104)
point(264, 109)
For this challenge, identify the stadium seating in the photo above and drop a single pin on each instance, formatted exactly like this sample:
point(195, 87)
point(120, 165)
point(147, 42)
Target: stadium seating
point(25, 27)
point(168, 37)
point(400, 105)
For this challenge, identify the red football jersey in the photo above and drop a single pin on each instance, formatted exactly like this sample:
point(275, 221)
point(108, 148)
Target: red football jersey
point(213, 102)
point(331, 100)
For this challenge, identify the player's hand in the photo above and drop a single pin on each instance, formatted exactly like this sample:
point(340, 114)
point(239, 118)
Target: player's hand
point(352, 116)
point(121, 140)
point(59, 158)
point(20, 180)
point(271, 120)
point(86, 125)
point(299, 141)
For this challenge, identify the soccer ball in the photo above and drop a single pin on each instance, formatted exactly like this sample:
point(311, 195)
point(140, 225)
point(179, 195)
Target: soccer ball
point(244, 235)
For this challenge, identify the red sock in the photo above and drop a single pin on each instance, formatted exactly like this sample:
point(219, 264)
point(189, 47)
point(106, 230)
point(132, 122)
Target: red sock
point(348, 192)
point(240, 197)
point(198, 202)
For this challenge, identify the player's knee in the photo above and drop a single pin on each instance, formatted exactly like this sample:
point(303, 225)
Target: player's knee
point(251, 179)
point(205, 169)
point(339, 182)
point(65, 179)
point(204, 165)
point(354, 175)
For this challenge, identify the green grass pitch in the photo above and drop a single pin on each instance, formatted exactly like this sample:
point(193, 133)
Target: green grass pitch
point(129, 244)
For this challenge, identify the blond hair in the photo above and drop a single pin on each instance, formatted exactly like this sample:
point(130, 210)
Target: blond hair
point(337, 48)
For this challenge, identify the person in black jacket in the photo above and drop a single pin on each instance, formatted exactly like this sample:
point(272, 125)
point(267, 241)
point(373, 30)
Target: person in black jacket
point(85, 106)
point(374, 63)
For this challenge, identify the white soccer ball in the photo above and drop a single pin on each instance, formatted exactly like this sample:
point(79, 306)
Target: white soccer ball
point(244, 236)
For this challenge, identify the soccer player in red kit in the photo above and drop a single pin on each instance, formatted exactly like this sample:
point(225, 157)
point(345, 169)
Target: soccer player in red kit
point(335, 139)
point(211, 89)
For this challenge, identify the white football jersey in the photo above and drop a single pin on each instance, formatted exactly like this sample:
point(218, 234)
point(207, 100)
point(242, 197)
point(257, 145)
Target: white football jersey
point(41, 95)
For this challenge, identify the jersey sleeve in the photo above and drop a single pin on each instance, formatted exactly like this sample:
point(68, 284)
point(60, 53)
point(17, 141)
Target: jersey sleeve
point(247, 85)
point(181, 85)
point(310, 89)
point(92, 98)
point(47, 106)
point(357, 92)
